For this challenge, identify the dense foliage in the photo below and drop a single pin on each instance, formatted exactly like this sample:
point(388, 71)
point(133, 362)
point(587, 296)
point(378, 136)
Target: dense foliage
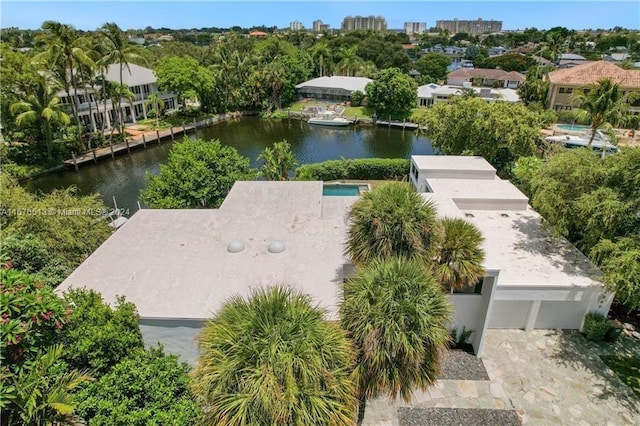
point(507, 62)
point(147, 388)
point(500, 132)
point(361, 168)
point(593, 202)
point(198, 173)
point(97, 336)
point(392, 94)
point(50, 234)
point(432, 66)
point(279, 161)
point(274, 359)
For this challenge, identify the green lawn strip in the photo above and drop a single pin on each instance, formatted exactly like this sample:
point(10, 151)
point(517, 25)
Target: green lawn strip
point(627, 368)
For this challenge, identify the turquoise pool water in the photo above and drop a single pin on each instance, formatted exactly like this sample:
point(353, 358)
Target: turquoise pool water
point(340, 190)
point(572, 127)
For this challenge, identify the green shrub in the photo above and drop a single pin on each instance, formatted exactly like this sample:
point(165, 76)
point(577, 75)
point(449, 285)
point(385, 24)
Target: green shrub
point(364, 169)
point(595, 326)
point(356, 98)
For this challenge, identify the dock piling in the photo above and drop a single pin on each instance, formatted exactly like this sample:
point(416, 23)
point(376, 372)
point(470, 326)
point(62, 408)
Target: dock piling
point(75, 161)
point(113, 156)
point(126, 141)
point(144, 141)
point(172, 138)
point(158, 136)
point(95, 158)
point(184, 130)
point(195, 126)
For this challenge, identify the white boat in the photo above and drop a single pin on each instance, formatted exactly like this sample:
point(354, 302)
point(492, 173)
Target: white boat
point(600, 142)
point(330, 120)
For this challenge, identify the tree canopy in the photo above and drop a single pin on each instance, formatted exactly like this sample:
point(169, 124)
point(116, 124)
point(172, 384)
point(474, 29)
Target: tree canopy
point(433, 65)
point(392, 94)
point(198, 173)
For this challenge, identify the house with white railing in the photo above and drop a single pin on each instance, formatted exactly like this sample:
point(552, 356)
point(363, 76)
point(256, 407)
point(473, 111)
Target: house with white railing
point(92, 110)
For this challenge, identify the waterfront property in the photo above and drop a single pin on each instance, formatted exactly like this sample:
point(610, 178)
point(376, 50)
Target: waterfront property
point(485, 77)
point(432, 93)
point(179, 266)
point(141, 82)
point(336, 88)
point(563, 82)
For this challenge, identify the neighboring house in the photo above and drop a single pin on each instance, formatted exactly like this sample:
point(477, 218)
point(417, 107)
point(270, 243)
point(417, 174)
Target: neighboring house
point(180, 266)
point(563, 82)
point(485, 77)
point(570, 60)
point(431, 94)
point(141, 82)
point(497, 51)
point(337, 88)
point(616, 57)
point(448, 50)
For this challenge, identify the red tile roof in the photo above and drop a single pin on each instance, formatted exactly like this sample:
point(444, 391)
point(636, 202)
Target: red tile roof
point(487, 73)
point(594, 71)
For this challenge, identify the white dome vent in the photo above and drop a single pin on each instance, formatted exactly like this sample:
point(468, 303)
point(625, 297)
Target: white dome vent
point(235, 246)
point(276, 247)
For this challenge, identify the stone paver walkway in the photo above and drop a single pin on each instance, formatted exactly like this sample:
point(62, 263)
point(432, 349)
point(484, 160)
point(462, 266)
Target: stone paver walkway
point(549, 377)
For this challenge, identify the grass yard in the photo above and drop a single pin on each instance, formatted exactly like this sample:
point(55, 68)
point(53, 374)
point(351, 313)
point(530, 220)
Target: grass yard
point(627, 368)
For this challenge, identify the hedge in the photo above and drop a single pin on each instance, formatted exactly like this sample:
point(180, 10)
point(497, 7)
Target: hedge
point(364, 168)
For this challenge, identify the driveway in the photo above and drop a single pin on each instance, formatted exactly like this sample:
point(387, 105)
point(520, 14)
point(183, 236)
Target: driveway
point(544, 376)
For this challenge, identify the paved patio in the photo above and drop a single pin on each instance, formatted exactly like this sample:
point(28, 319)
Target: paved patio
point(546, 376)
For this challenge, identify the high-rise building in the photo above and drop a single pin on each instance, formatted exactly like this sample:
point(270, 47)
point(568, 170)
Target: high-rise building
point(318, 26)
point(296, 26)
point(472, 27)
point(415, 27)
point(376, 23)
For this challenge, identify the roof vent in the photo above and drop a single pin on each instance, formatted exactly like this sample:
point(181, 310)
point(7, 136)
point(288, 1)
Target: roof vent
point(235, 246)
point(276, 247)
point(469, 215)
point(504, 215)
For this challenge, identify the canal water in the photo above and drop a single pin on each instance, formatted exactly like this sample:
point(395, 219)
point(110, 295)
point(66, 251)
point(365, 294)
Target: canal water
point(124, 177)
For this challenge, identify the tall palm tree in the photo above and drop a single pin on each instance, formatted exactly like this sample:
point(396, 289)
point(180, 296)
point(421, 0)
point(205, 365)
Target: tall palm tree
point(600, 103)
point(458, 263)
point(42, 398)
point(157, 106)
point(392, 220)
point(349, 60)
point(43, 109)
point(396, 314)
point(274, 359)
point(120, 52)
point(278, 161)
point(319, 53)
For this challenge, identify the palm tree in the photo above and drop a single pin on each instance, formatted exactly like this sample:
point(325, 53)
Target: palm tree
point(396, 315)
point(119, 52)
point(458, 263)
point(39, 397)
point(392, 220)
point(349, 60)
point(157, 106)
point(600, 103)
point(274, 359)
point(278, 161)
point(319, 53)
point(43, 109)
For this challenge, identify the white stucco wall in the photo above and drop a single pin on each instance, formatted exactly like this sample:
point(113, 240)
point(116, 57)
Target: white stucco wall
point(177, 336)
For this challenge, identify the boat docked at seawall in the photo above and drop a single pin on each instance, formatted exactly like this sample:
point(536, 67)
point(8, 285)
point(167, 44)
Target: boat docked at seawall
point(600, 143)
point(330, 120)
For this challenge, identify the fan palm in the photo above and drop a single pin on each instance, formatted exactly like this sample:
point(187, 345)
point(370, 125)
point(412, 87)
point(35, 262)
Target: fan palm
point(392, 220)
point(42, 108)
point(458, 263)
point(320, 52)
point(396, 314)
point(157, 106)
point(119, 52)
point(349, 60)
point(273, 359)
point(600, 103)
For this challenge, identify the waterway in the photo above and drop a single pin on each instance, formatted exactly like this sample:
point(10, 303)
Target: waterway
point(124, 177)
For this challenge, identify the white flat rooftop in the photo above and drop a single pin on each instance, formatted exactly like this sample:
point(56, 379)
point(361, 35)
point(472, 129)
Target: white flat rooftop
point(175, 263)
point(480, 194)
point(452, 162)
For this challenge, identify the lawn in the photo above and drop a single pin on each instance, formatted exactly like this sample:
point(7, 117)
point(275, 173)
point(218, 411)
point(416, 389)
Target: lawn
point(627, 368)
point(349, 111)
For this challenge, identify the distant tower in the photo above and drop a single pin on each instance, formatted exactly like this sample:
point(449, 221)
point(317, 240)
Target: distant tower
point(296, 26)
point(375, 23)
point(415, 27)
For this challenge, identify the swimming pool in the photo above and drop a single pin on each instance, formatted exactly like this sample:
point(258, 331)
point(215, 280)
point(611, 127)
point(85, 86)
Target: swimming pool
point(573, 127)
point(339, 190)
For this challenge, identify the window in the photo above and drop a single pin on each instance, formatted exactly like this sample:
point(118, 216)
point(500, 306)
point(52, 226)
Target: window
point(567, 90)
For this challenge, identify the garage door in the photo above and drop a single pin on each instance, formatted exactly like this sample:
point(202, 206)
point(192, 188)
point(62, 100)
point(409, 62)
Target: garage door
point(509, 313)
point(560, 315)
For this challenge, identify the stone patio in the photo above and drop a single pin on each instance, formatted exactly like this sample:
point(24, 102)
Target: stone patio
point(546, 376)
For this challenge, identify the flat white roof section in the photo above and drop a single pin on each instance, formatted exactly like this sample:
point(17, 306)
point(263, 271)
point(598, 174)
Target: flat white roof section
point(480, 194)
point(177, 263)
point(350, 84)
point(453, 167)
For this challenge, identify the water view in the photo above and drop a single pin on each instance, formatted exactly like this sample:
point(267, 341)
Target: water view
point(124, 177)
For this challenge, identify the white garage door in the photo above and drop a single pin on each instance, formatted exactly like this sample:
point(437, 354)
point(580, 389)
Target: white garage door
point(560, 315)
point(509, 313)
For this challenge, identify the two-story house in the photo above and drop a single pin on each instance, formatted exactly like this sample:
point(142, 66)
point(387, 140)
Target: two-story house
point(485, 77)
point(141, 82)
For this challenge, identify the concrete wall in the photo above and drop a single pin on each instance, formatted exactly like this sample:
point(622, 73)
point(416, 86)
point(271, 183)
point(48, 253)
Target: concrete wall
point(177, 336)
point(490, 204)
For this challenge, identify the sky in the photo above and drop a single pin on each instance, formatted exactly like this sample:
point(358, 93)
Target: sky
point(177, 14)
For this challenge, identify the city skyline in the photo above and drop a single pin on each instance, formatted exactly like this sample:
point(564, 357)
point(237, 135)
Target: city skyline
point(90, 14)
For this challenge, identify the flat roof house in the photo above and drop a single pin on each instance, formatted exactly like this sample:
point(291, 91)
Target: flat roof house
point(432, 93)
point(563, 82)
point(485, 77)
point(180, 266)
point(338, 88)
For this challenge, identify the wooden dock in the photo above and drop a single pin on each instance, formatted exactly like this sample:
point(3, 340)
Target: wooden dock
point(142, 140)
point(401, 124)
